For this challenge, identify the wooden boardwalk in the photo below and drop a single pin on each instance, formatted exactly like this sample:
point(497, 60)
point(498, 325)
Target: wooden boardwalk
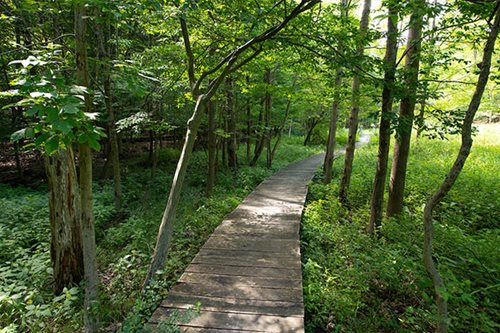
point(248, 275)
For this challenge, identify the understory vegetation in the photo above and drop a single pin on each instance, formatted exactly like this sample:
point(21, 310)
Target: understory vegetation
point(27, 303)
point(354, 282)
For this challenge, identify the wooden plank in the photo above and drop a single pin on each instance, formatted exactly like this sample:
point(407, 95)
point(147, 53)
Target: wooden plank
point(241, 321)
point(248, 261)
point(234, 305)
point(278, 246)
point(294, 274)
point(238, 291)
point(251, 281)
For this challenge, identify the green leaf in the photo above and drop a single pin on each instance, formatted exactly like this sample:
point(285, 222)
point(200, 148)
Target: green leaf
point(70, 109)
point(52, 115)
point(63, 126)
point(52, 145)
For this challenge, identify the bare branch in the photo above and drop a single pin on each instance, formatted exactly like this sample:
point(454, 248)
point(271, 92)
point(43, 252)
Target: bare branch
point(189, 52)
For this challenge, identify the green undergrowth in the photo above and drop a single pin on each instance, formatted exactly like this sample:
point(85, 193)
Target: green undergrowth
point(125, 242)
point(356, 283)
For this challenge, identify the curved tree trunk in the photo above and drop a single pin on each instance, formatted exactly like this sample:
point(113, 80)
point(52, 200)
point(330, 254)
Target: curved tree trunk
point(385, 121)
point(406, 112)
point(64, 206)
point(451, 177)
point(353, 116)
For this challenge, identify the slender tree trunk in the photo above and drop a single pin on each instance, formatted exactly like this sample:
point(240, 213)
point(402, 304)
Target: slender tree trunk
point(353, 116)
point(451, 177)
point(64, 206)
point(268, 104)
point(310, 128)
point(156, 155)
point(231, 125)
point(212, 147)
point(406, 112)
point(85, 155)
point(265, 116)
point(167, 222)
point(249, 126)
point(330, 145)
point(280, 128)
point(385, 121)
point(421, 119)
point(114, 154)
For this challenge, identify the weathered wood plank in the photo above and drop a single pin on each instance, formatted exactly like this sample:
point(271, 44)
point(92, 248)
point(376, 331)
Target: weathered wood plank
point(241, 321)
point(249, 261)
point(239, 291)
point(251, 281)
point(294, 274)
point(235, 305)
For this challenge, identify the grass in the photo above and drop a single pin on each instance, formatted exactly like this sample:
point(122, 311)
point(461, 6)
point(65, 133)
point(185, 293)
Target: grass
point(124, 245)
point(356, 283)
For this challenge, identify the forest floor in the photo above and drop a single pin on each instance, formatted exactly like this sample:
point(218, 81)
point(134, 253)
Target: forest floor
point(357, 283)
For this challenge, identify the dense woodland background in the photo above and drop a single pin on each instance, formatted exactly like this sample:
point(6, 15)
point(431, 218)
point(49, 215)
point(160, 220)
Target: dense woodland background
point(130, 128)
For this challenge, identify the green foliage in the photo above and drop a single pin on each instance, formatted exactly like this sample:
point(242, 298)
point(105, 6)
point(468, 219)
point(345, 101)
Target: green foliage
point(54, 107)
point(356, 283)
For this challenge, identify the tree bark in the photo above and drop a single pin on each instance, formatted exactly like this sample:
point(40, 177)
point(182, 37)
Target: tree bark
point(451, 177)
point(232, 158)
point(65, 229)
point(91, 320)
point(268, 105)
point(385, 121)
point(406, 112)
point(114, 154)
point(212, 148)
point(167, 222)
point(353, 116)
point(330, 145)
point(249, 126)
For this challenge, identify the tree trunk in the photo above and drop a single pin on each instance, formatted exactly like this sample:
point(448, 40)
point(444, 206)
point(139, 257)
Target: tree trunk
point(64, 206)
point(280, 128)
point(451, 177)
point(232, 159)
point(264, 116)
point(249, 126)
point(332, 131)
point(406, 112)
point(353, 116)
point(385, 121)
point(167, 222)
point(212, 147)
point(87, 217)
point(114, 154)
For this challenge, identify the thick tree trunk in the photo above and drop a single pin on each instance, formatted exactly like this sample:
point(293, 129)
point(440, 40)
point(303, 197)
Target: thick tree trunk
point(385, 122)
point(451, 177)
point(332, 131)
point(406, 112)
point(85, 155)
point(353, 116)
point(232, 159)
point(64, 206)
point(212, 148)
